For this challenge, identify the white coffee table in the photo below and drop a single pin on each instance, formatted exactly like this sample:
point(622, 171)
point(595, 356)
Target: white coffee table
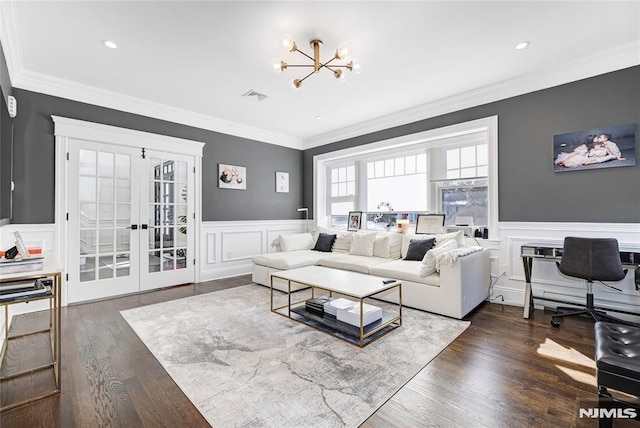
point(346, 283)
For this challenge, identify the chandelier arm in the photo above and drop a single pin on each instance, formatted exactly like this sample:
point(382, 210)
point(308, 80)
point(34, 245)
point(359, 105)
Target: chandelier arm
point(311, 58)
point(299, 65)
point(305, 77)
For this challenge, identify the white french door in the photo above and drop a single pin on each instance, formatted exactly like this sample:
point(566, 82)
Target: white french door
point(130, 221)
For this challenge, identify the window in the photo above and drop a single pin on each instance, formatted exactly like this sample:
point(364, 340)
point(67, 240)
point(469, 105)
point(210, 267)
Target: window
point(399, 182)
point(451, 170)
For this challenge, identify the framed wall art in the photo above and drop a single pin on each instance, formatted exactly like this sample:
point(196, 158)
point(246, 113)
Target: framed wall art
point(232, 177)
point(282, 182)
point(607, 147)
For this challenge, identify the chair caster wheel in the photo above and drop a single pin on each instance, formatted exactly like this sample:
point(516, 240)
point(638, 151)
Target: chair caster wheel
point(555, 323)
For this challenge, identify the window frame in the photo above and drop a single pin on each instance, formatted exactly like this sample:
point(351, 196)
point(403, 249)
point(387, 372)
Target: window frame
point(428, 139)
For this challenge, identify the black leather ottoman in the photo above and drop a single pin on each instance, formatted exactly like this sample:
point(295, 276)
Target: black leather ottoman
point(617, 367)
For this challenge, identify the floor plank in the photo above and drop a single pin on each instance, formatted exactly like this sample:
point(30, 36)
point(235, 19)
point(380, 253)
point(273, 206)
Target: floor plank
point(502, 371)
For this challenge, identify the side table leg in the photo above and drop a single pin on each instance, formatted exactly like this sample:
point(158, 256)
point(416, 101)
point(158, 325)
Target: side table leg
point(528, 294)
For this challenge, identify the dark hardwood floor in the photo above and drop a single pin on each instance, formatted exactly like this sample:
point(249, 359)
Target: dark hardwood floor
point(503, 371)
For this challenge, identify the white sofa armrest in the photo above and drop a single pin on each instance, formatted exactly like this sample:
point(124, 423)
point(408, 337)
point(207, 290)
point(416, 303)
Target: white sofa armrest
point(465, 284)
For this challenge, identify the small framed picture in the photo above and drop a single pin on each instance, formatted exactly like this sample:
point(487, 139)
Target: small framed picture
point(355, 220)
point(429, 224)
point(282, 182)
point(232, 177)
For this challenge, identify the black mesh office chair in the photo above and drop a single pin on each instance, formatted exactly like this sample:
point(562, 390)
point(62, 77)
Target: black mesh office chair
point(591, 259)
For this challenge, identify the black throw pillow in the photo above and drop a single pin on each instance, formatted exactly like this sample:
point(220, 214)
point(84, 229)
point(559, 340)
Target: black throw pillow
point(325, 242)
point(418, 248)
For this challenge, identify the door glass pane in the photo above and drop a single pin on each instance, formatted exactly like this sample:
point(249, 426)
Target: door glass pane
point(87, 269)
point(105, 164)
point(123, 167)
point(87, 162)
point(106, 269)
point(105, 241)
point(181, 173)
point(123, 215)
point(154, 261)
point(154, 238)
point(154, 169)
point(168, 261)
point(154, 214)
point(169, 218)
point(181, 237)
point(123, 190)
point(105, 189)
point(181, 258)
point(87, 241)
point(167, 193)
point(87, 188)
point(167, 237)
point(88, 216)
point(122, 265)
point(122, 240)
point(106, 215)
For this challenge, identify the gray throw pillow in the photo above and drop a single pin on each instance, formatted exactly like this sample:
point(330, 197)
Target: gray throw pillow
point(418, 248)
point(324, 242)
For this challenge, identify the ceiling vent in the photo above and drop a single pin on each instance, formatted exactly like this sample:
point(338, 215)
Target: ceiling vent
point(253, 95)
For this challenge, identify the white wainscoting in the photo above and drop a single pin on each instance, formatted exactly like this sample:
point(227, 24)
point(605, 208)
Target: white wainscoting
point(228, 246)
point(546, 280)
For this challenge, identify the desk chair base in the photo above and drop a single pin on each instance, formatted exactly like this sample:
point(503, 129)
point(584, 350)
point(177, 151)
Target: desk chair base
point(588, 310)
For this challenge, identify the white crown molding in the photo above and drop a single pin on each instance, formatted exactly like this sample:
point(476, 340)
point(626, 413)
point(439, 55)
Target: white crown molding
point(62, 88)
point(9, 37)
point(620, 57)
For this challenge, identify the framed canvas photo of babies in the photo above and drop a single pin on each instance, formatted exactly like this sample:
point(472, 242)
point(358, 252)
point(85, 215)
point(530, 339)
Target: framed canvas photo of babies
point(606, 147)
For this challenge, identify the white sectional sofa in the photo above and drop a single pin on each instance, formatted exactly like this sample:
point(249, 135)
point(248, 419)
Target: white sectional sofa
point(457, 283)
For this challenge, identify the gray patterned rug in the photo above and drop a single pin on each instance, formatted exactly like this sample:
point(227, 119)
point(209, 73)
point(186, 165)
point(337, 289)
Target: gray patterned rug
point(243, 366)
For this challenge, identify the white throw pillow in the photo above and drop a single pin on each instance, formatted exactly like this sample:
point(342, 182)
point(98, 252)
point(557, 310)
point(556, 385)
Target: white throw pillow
point(395, 244)
point(362, 244)
point(342, 244)
point(406, 240)
point(381, 247)
point(458, 236)
point(296, 241)
point(430, 261)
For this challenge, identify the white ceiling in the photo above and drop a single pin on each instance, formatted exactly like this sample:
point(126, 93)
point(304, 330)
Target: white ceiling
point(190, 62)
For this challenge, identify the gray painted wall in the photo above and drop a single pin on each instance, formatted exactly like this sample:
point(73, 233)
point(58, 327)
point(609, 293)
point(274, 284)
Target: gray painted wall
point(5, 140)
point(34, 161)
point(529, 190)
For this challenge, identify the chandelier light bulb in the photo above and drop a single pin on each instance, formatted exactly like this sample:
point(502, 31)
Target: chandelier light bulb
point(343, 51)
point(277, 65)
point(287, 44)
point(356, 66)
point(295, 84)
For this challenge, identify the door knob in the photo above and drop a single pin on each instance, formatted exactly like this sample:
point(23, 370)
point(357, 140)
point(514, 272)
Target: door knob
point(133, 227)
point(143, 226)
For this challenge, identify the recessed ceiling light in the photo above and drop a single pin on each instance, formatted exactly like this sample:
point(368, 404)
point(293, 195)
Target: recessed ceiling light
point(110, 44)
point(318, 117)
point(522, 45)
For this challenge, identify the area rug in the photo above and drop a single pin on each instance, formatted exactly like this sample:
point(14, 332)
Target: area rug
point(244, 366)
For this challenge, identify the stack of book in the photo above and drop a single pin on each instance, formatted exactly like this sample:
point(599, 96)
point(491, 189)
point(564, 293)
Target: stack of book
point(334, 305)
point(24, 290)
point(352, 315)
point(316, 305)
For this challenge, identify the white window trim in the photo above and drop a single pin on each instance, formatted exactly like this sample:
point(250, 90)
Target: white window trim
point(428, 138)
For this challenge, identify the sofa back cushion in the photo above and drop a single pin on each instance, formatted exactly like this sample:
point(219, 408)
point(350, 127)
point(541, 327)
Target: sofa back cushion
point(296, 241)
point(362, 244)
point(342, 244)
point(381, 247)
point(443, 238)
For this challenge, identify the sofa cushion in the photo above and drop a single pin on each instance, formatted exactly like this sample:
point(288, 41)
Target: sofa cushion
point(418, 248)
point(324, 242)
point(296, 241)
point(443, 238)
point(342, 244)
point(381, 247)
point(350, 262)
point(362, 244)
point(404, 270)
point(431, 260)
point(289, 260)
